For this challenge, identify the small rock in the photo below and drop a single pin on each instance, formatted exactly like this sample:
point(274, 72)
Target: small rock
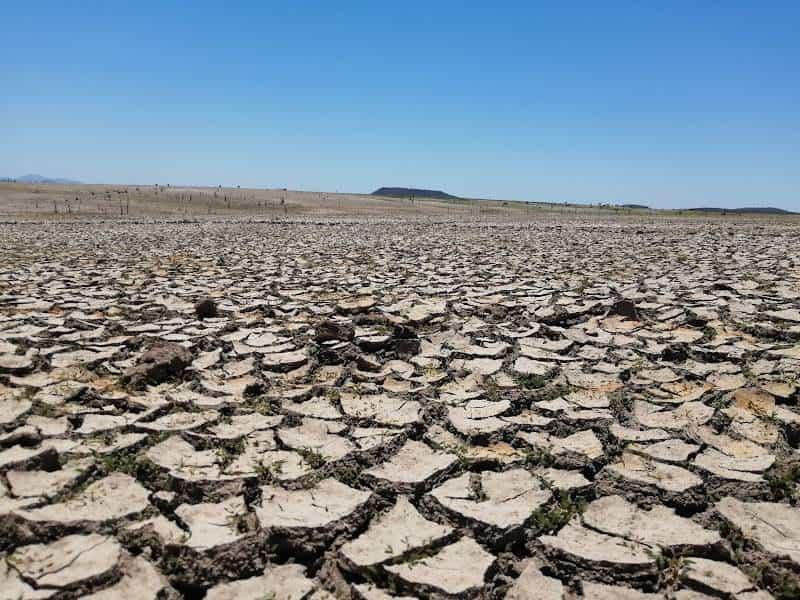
point(331, 329)
point(205, 309)
point(406, 347)
point(163, 361)
point(624, 308)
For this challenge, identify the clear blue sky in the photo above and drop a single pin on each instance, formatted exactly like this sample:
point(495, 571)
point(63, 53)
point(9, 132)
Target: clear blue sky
point(676, 103)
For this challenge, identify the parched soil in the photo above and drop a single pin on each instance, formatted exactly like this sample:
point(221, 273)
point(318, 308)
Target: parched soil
point(325, 407)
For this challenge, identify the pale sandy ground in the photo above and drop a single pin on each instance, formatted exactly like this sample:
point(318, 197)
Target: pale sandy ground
point(58, 202)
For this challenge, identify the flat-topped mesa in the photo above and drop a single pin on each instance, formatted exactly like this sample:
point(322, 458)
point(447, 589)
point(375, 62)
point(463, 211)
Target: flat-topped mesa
point(405, 192)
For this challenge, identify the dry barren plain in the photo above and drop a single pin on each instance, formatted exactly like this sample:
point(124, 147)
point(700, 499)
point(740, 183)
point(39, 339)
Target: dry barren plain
point(274, 395)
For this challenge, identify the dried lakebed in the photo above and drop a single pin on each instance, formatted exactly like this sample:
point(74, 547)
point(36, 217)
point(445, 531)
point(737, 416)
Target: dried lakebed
point(551, 410)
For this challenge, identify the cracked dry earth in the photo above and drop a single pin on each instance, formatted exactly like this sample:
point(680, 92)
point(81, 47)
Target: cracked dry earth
point(552, 410)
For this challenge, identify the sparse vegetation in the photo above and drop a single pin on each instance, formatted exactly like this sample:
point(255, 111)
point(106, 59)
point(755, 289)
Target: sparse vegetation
point(531, 382)
point(557, 513)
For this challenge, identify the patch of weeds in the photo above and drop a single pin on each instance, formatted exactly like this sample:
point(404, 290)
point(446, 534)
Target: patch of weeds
point(430, 372)
point(670, 568)
point(129, 463)
point(238, 522)
point(43, 409)
point(460, 450)
point(531, 382)
point(554, 517)
point(170, 563)
point(9, 537)
point(314, 459)
point(735, 540)
point(419, 555)
point(492, 389)
point(762, 573)
point(583, 285)
point(269, 472)
point(262, 405)
point(121, 462)
point(709, 333)
point(781, 585)
point(106, 438)
point(549, 392)
point(537, 457)
point(786, 588)
point(783, 482)
point(228, 450)
point(638, 364)
point(476, 488)
point(347, 475)
point(618, 404)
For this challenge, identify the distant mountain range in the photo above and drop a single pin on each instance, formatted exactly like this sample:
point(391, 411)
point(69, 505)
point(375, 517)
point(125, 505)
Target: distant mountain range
point(404, 192)
point(33, 178)
point(764, 210)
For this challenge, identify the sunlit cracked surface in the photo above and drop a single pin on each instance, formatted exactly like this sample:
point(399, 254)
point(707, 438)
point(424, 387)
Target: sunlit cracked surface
point(550, 409)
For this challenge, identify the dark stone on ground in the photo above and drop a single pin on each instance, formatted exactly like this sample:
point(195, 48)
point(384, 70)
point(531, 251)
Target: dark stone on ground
point(406, 347)
point(334, 330)
point(160, 363)
point(205, 308)
point(404, 333)
point(625, 308)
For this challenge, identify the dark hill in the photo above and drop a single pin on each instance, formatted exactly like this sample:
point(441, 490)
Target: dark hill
point(403, 192)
